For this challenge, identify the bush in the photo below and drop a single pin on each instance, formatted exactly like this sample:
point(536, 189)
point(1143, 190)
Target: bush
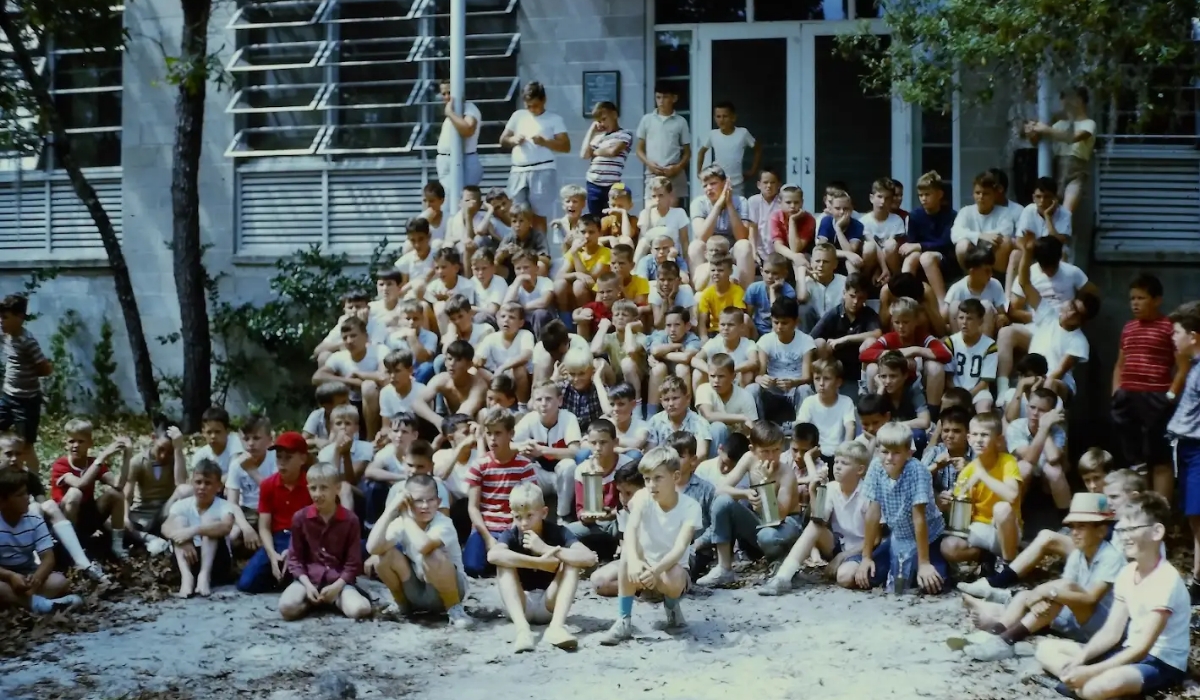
point(63, 391)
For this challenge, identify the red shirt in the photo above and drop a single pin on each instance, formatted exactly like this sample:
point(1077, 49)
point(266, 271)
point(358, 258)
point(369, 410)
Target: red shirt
point(610, 496)
point(496, 481)
point(1149, 355)
point(325, 551)
point(280, 502)
point(807, 229)
point(891, 341)
point(599, 311)
point(58, 485)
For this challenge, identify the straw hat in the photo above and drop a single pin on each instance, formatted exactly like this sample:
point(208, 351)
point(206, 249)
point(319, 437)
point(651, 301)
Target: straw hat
point(1089, 508)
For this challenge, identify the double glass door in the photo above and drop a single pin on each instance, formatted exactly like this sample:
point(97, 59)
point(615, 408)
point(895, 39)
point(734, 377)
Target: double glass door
point(803, 100)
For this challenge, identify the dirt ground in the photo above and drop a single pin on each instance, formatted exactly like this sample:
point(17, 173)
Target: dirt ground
point(819, 642)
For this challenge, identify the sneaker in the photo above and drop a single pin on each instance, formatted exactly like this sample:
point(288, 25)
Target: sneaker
point(980, 588)
point(157, 546)
point(674, 620)
point(994, 649)
point(524, 642)
point(119, 551)
point(561, 638)
point(621, 631)
point(45, 606)
point(775, 587)
point(95, 573)
point(717, 577)
point(459, 619)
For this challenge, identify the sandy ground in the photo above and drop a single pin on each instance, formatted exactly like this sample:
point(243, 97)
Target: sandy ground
point(819, 642)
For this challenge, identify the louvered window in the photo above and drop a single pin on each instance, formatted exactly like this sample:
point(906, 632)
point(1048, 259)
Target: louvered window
point(41, 217)
point(344, 78)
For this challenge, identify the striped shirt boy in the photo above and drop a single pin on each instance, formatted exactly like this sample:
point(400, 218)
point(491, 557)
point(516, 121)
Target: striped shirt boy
point(19, 542)
point(496, 482)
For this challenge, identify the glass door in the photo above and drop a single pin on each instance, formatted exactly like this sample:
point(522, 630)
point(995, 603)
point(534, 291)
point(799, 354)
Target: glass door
point(753, 67)
point(852, 135)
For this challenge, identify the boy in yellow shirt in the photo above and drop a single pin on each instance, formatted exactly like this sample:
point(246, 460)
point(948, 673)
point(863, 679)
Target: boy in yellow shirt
point(585, 261)
point(993, 484)
point(717, 296)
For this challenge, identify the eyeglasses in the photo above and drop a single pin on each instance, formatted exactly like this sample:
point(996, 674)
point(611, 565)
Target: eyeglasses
point(426, 501)
point(1128, 530)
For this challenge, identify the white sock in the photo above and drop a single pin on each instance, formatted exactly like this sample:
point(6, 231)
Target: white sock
point(64, 531)
point(118, 539)
point(787, 570)
point(1001, 386)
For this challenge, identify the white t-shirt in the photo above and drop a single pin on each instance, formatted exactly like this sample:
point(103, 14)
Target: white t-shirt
point(660, 529)
point(849, 514)
point(830, 420)
point(541, 286)
point(970, 364)
point(710, 471)
point(448, 132)
point(1055, 343)
point(685, 297)
point(564, 432)
point(342, 364)
point(462, 286)
point(440, 528)
point(880, 231)
point(1017, 436)
point(377, 331)
point(636, 425)
point(740, 402)
point(529, 156)
point(315, 424)
point(1055, 291)
point(496, 350)
point(1031, 221)
point(492, 294)
point(824, 297)
point(1080, 149)
point(246, 485)
point(391, 402)
point(360, 451)
point(393, 465)
point(1010, 395)
point(741, 355)
point(970, 223)
point(729, 152)
point(233, 447)
point(411, 265)
point(786, 361)
point(674, 220)
point(1162, 590)
point(186, 509)
point(993, 293)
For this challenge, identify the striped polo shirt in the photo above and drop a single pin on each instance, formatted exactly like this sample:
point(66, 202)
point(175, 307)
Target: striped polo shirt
point(1149, 355)
point(496, 481)
point(19, 542)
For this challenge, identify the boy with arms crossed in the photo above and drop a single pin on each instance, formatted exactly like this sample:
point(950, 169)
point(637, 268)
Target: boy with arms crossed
point(538, 565)
point(73, 485)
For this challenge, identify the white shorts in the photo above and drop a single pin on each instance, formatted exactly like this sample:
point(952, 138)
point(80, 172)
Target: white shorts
point(984, 536)
point(536, 612)
point(984, 395)
point(537, 188)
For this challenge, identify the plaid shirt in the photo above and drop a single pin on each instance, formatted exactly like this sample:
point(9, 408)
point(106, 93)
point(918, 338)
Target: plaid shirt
point(660, 427)
point(896, 498)
point(584, 405)
point(947, 476)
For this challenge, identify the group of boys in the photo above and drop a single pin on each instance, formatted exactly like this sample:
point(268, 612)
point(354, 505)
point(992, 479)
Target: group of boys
point(469, 406)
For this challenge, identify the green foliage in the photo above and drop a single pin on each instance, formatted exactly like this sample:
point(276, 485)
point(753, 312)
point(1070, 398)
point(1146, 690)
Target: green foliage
point(191, 74)
point(63, 391)
point(940, 48)
point(107, 399)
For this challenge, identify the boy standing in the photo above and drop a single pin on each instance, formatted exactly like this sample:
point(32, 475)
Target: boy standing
point(664, 143)
point(199, 525)
point(1184, 427)
point(73, 485)
point(325, 554)
point(728, 143)
point(27, 576)
point(489, 482)
point(658, 541)
point(538, 565)
point(281, 496)
point(24, 366)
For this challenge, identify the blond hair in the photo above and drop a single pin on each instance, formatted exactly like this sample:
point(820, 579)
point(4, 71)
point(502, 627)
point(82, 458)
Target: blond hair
point(659, 182)
point(324, 471)
point(577, 360)
point(990, 421)
point(344, 411)
point(661, 457)
point(526, 495)
point(894, 435)
point(904, 306)
point(931, 180)
point(571, 192)
point(549, 386)
point(1095, 461)
point(1127, 480)
point(78, 426)
point(854, 452)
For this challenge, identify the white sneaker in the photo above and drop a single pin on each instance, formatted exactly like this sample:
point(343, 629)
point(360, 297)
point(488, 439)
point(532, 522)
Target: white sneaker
point(717, 577)
point(994, 649)
point(621, 631)
point(157, 546)
point(459, 619)
point(95, 573)
point(982, 589)
point(775, 587)
point(674, 620)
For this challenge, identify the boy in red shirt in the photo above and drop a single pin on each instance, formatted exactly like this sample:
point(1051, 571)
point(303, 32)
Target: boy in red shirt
point(1143, 386)
point(904, 338)
point(280, 497)
point(792, 228)
point(325, 556)
point(489, 482)
point(73, 485)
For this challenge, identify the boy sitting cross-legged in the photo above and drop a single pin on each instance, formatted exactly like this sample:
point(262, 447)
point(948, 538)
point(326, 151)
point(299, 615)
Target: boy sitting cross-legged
point(25, 581)
point(839, 537)
point(1144, 644)
point(992, 482)
point(538, 565)
point(1074, 606)
point(325, 554)
point(901, 496)
point(200, 525)
point(658, 540)
point(73, 485)
point(420, 559)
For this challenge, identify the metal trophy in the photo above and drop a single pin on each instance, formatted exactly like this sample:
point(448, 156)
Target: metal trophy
point(593, 494)
point(768, 504)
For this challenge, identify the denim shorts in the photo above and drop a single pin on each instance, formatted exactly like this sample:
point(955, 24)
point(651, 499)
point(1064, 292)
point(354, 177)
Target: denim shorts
point(1156, 674)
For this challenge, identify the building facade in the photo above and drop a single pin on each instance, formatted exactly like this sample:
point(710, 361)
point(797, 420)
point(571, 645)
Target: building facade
point(326, 132)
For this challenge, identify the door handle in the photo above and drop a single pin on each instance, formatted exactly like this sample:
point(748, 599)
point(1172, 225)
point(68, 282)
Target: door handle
point(795, 166)
point(807, 166)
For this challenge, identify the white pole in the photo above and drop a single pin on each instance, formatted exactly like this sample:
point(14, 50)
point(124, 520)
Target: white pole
point(1045, 146)
point(458, 85)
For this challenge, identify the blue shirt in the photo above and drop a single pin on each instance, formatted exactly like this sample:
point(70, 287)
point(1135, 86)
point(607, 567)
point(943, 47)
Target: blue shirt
point(647, 267)
point(932, 232)
point(896, 498)
point(691, 341)
point(1185, 422)
point(756, 296)
point(854, 232)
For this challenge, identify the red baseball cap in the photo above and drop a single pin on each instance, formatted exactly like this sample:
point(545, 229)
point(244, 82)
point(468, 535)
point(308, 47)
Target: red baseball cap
point(291, 441)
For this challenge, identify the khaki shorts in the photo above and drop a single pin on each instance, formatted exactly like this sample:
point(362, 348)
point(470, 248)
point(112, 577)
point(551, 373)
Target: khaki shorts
point(984, 536)
point(1072, 169)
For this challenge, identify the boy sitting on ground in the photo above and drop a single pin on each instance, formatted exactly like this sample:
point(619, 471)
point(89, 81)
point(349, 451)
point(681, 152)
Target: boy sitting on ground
point(155, 478)
point(73, 485)
point(420, 561)
point(279, 497)
point(199, 525)
point(992, 482)
point(220, 444)
point(838, 537)
point(1074, 606)
point(325, 554)
point(538, 565)
point(329, 396)
point(27, 576)
point(489, 481)
point(657, 543)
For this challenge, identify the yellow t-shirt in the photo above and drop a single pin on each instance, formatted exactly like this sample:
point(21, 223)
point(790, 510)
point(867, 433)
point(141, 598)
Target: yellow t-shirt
point(712, 302)
point(983, 499)
point(602, 256)
point(637, 287)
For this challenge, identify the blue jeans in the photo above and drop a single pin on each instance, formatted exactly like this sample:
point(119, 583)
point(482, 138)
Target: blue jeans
point(375, 495)
point(882, 556)
point(775, 542)
point(257, 576)
point(720, 433)
point(597, 198)
point(733, 521)
point(425, 371)
point(475, 562)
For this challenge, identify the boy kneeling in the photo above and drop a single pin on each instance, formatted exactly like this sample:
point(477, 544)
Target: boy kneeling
point(658, 542)
point(538, 565)
point(420, 560)
point(199, 526)
point(325, 554)
point(24, 583)
point(1143, 647)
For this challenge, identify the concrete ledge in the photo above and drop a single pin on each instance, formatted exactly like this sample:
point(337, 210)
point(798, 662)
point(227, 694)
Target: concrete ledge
point(49, 261)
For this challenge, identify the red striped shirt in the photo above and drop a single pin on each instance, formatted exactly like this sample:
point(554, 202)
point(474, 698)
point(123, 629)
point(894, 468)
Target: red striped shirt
point(1149, 355)
point(496, 482)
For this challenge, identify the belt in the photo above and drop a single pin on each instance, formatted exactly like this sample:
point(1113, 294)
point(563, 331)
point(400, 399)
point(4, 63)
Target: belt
point(465, 154)
point(530, 165)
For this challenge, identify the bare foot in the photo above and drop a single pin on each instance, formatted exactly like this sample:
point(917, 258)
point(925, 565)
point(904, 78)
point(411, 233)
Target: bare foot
point(561, 638)
point(204, 588)
point(187, 589)
point(978, 612)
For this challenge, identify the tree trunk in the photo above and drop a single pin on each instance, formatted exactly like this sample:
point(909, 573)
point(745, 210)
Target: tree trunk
point(188, 253)
point(142, 367)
